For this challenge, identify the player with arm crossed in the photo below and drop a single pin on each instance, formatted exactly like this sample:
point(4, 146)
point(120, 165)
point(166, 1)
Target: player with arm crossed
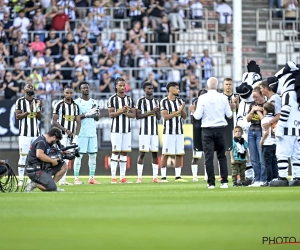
point(121, 110)
point(148, 113)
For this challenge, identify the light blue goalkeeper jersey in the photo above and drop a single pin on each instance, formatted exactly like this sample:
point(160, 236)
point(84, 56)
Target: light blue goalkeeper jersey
point(88, 125)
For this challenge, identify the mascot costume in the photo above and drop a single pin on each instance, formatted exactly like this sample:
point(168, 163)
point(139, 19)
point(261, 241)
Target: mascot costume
point(286, 83)
point(250, 80)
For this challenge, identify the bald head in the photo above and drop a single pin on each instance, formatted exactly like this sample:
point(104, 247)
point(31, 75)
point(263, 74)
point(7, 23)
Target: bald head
point(212, 83)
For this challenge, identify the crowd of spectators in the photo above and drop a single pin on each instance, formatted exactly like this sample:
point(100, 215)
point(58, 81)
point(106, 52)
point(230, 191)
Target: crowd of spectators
point(54, 43)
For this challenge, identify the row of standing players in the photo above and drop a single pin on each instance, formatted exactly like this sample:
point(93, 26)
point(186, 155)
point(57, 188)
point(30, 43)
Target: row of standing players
point(84, 112)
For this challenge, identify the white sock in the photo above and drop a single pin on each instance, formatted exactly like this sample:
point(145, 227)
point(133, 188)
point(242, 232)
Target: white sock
point(140, 170)
point(178, 172)
point(122, 169)
point(21, 171)
point(195, 170)
point(155, 170)
point(163, 172)
point(113, 169)
point(63, 179)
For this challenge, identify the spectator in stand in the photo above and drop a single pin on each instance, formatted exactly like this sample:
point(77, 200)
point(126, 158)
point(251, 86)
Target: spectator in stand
point(112, 45)
point(8, 24)
point(3, 10)
point(99, 69)
point(183, 5)
point(2, 33)
point(99, 13)
point(38, 45)
point(84, 57)
point(190, 59)
point(91, 25)
point(3, 50)
point(114, 70)
point(31, 8)
point(39, 23)
point(82, 66)
point(69, 10)
point(70, 44)
point(105, 56)
point(164, 31)
point(60, 21)
point(43, 88)
point(137, 36)
point(53, 42)
point(21, 56)
point(51, 12)
point(156, 86)
point(47, 57)
point(81, 5)
point(38, 63)
point(162, 64)
point(2, 63)
point(137, 12)
point(23, 24)
point(177, 65)
point(83, 42)
point(106, 84)
point(36, 77)
point(121, 6)
point(11, 87)
point(66, 62)
point(193, 83)
point(291, 8)
point(18, 74)
point(207, 64)
point(172, 8)
point(155, 12)
point(127, 55)
point(52, 73)
point(146, 63)
point(224, 13)
point(197, 12)
point(78, 78)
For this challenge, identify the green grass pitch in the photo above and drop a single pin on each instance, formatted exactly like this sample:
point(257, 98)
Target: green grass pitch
point(149, 216)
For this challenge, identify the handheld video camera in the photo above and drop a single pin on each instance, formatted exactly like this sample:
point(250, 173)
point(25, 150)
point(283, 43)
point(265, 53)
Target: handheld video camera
point(57, 152)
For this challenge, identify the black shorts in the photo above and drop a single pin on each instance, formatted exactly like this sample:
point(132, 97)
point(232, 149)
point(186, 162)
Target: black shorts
point(44, 177)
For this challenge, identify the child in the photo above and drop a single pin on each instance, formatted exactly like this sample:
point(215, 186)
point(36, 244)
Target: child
point(268, 144)
point(239, 156)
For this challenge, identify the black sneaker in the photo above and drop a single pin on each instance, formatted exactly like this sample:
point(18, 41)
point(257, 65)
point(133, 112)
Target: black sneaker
point(235, 184)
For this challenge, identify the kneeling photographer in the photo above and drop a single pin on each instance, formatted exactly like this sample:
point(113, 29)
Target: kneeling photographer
point(45, 161)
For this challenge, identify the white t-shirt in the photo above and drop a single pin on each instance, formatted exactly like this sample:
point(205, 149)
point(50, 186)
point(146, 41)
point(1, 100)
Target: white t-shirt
point(276, 101)
point(225, 12)
point(270, 140)
point(25, 22)
point(197, 9)
point(38, 61)
point(85, 58)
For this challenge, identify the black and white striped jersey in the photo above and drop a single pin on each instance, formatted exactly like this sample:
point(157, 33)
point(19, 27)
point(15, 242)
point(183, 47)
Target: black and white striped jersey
point(29, 125)
point(148, 125)
point(174, 125)
point(67, 113)
point(120, 124)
